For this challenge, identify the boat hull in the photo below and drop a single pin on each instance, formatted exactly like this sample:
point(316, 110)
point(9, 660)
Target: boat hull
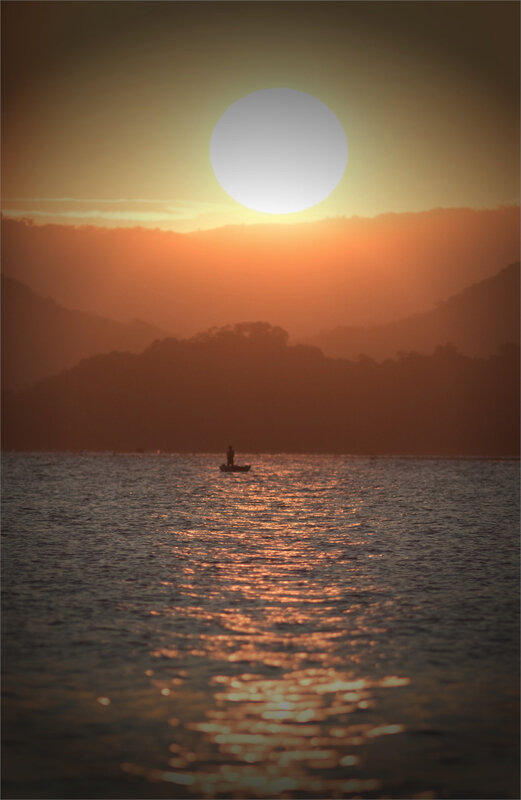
point(235, 468)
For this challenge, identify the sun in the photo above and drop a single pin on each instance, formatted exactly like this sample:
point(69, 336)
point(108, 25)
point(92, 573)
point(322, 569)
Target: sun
point(278, 151)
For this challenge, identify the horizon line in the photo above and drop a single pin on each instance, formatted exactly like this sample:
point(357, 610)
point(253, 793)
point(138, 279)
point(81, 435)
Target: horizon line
point(26, 218)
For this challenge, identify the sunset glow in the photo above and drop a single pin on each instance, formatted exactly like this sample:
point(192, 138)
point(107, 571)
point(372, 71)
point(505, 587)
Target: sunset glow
point(108, 119)
point(260, 329)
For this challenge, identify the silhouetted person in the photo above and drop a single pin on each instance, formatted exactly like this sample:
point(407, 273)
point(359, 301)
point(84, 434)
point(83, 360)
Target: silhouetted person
point(230, 455)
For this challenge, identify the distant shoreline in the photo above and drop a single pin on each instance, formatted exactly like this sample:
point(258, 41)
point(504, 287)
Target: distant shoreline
point(249, 454)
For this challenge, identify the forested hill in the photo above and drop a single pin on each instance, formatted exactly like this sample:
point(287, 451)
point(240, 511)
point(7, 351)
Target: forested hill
point(246, 385)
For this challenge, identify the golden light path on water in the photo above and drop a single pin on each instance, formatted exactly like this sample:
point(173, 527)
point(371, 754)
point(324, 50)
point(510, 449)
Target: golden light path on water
point(322, 627)
point(300, 729)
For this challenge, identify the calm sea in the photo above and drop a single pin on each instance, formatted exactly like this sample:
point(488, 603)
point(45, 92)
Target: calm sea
point(319, 627)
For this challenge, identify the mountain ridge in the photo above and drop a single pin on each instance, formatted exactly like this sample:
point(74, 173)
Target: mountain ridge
point(247, 385)
point(40, 337)
point(477, 320)
point(306, 276)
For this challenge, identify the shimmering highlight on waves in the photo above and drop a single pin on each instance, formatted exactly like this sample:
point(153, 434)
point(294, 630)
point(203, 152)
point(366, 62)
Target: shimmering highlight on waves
point(321, 627)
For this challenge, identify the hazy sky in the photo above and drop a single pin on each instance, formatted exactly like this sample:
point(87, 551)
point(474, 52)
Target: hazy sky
point(109, 107)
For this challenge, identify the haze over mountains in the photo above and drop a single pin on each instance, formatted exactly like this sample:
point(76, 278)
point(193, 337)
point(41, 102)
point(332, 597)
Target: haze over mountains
point(305, 277)
point(65, 387)
point(477, 320)
point(40, 338)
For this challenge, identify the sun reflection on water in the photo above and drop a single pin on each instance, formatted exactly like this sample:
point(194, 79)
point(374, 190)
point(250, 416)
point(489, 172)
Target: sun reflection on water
point(300, 731)
point(303, 631)
point(273, 622)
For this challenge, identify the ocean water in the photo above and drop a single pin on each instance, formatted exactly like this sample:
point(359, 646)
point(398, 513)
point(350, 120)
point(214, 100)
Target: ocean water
point(319, 627)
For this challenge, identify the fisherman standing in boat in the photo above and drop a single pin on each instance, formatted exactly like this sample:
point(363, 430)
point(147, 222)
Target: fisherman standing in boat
point(230, 455)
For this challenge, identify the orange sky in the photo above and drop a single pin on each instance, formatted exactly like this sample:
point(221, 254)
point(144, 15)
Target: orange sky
point(303, 277)
point(108, 107)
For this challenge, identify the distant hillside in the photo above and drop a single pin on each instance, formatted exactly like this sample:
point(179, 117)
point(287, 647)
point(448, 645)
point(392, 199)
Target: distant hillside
point(305, 277)
point(247, 386)
point(477, 320)
point(40, 338)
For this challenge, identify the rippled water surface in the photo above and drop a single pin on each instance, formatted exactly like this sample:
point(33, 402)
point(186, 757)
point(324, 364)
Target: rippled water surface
point(318, 627)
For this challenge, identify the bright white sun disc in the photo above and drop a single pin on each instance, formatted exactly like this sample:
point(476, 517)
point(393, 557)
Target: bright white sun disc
point(278, 151)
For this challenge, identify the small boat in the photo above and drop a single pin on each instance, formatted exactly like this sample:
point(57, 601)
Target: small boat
point(235, 467)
